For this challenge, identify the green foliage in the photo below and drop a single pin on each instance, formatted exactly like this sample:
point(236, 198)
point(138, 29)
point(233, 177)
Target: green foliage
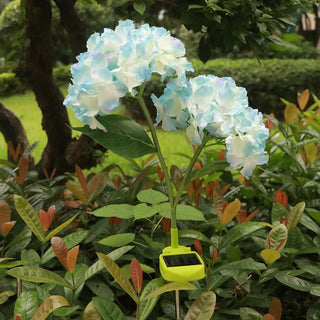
point(9, 84)
point(251, 258)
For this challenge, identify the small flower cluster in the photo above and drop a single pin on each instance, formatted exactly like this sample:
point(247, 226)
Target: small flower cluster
point(119, 61)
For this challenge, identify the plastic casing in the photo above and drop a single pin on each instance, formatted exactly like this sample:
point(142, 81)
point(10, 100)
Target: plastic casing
point(181, 273)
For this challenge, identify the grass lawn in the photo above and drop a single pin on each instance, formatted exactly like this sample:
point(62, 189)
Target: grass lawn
point(25, 107)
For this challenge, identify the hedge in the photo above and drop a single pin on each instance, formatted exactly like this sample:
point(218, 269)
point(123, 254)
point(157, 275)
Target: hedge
point(266, 81)
point(10, 84)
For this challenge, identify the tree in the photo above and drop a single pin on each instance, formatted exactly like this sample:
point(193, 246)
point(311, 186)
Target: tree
point(61, 152)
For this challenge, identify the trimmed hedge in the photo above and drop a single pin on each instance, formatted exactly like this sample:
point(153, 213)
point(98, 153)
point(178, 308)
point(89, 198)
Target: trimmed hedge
point(266, 81)
point(10, 84)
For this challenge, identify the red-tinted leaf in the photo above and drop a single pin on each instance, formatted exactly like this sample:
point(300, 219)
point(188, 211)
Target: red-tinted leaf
point(197, 165)
point(160, 173)
point(60, 250)
point(215, 255)
point(198, 246)
point(281, 197)
point(303, 99)
point(252, 215)
point(209, 189)
point(82, 180)
point(230, 211)
point(5, 212)
point(23, 168)
point(275, 308)
point(221, 155)
point(17, 317)
point(47, 217)
point(6, 227)
point(115, 220)
point(268, 316)
point(72, 257)
point(136, 274)
point(166, 225)
point(14, 153)
point(117, 181)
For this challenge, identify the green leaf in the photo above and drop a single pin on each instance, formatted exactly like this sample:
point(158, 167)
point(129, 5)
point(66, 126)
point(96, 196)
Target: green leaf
point(5, 295)
point(193, 234)
point(203, 307)
point(19, 242)
point(151, 196)
point(90, 312)
point(315, 290)
point(249, 314)
point(118, 276)
point(59, 228)
point(29, 216)
point(99, 266)
point(65, 311)
point(269, 256)
point(48, 306)
point(240, 232)
point(107, 309)
point(123, 211)
point(309, 223)
point(314, 214)
point(277, 237)
point(294, 282)
point(245, 264)
point(209, 168)
point(70, 241)
point(124, 136)
point(140, 7)
point(295, 215)
point(118, 240)
point(142, 211)
point(172, 286)
point(38, 275)
point(184, 212)
point(277, 211)
point(259, 185)
point(147, 305)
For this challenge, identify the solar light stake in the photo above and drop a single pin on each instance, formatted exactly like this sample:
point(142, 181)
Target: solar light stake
point(177, 305)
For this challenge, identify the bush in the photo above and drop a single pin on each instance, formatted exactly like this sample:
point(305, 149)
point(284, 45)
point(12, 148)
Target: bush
point(9, 84)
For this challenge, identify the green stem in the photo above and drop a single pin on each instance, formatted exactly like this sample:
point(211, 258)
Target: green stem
point(138, 309)
point(160, 155)
point(188, 172)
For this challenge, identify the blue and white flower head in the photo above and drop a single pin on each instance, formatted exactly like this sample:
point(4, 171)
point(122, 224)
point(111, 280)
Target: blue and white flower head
point(218, 106)
point(117, 61)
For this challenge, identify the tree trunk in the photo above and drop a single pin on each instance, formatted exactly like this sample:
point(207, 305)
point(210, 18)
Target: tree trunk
point(73, 25)
point(12, 130)
point(61, 152)
point(37, 71)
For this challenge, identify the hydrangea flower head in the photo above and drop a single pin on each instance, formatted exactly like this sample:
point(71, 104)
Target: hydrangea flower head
point(117, 61)
point(217, 106)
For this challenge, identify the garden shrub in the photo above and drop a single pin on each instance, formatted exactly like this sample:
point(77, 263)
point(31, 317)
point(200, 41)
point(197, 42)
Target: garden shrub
point(9, 84)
